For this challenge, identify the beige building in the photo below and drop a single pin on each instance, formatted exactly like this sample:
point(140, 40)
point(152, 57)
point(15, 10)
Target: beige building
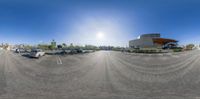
point(152, 41)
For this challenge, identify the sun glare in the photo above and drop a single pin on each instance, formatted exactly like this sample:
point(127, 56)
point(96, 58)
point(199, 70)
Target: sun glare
point(100, 35)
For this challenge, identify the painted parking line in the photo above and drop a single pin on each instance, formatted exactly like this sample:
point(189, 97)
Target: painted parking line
point(1, 52)
point(59, 61)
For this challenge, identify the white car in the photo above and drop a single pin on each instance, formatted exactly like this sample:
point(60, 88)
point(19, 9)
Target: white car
point(88, 51)
point(19, 50)
point(37, 53)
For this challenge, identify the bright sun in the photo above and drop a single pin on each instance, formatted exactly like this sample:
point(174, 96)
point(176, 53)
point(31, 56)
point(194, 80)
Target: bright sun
point(100, 35)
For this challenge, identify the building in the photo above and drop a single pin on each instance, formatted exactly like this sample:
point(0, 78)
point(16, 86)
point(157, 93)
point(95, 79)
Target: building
point(153, 40)
point(106, 47)
point(198, 47)
point(53, 43)
point(1, 46)
point(5, 46)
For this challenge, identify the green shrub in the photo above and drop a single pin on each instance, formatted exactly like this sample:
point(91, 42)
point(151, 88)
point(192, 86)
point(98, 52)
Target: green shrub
point(177, 50)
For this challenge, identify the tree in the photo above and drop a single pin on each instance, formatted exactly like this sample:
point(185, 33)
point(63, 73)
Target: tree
point(59, 46)
point(51, 47)
point(90, 47)
point(64, 45)
point(190, 46)
point(28, 47)
point(43, 46)
point(71, 46)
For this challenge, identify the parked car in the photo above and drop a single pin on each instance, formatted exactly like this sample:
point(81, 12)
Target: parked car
point(63, 52)
point(73, 51)
point(87, 51)
point(20, 50)
point(79, 50)
point(37, 53)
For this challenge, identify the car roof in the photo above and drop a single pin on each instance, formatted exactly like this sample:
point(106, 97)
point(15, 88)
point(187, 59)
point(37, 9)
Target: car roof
point(36, 49)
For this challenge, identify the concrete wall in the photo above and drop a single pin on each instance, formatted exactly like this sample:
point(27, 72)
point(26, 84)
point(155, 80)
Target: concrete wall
point(141, 43)
point(134, 43)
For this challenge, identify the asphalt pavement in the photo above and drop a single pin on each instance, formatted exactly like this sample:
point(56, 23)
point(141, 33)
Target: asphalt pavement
point(100, 75)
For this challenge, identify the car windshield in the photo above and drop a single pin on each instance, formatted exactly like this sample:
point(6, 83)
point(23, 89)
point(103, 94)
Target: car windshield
point(99, 49)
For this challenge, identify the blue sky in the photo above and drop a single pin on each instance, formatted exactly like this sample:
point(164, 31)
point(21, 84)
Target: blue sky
point(79, 21)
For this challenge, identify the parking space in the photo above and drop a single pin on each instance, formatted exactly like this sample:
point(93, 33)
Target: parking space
point(1, 51)
point(102, 73)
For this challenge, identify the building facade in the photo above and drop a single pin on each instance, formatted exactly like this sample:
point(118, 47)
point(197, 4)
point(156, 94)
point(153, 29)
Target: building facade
point(153, 40)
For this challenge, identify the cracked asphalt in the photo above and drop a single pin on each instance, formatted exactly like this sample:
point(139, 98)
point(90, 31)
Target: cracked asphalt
point(100, 75)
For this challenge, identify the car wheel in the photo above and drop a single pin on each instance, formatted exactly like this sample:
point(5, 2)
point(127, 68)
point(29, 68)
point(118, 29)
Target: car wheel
point(38, 56)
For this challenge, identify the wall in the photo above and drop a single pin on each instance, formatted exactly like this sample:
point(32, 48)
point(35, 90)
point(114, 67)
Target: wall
point(141, 43)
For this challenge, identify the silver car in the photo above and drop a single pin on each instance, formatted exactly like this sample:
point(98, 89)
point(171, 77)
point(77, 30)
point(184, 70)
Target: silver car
point(37, 53)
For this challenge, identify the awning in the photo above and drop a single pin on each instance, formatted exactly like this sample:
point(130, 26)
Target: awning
point(163, 41)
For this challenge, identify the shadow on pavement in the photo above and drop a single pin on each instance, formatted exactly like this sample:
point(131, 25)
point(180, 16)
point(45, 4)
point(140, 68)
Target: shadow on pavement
point(27, 56)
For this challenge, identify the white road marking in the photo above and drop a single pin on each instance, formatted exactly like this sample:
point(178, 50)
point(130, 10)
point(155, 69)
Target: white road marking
point(59, 60)
point(2, 51)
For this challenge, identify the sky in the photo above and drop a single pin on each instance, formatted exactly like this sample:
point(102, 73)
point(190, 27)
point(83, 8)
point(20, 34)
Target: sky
point(97, 22)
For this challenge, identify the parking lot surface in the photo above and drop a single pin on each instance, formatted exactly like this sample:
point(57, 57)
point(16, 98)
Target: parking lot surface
point(100, 75)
